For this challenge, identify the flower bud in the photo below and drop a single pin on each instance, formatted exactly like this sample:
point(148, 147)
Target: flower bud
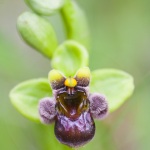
point(45, 7)
point(37, 32)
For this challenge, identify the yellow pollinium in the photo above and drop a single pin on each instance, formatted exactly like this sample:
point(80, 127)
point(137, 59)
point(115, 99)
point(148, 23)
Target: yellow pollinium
point(70, 82)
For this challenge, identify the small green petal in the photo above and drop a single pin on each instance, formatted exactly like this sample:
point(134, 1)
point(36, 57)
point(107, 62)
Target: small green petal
point(83, 76)
point(56, 79)
point(83, 73)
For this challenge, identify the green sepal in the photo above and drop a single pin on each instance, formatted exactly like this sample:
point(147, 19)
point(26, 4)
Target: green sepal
point(69, 57)
point(115, 84)
point(26, 95)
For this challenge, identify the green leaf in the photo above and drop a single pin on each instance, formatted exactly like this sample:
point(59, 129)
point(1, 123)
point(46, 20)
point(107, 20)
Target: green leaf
point(76, 23)
point(45, 7)
point(69, 57)
point(37, 32)
point(26, 95)
point(115, 84)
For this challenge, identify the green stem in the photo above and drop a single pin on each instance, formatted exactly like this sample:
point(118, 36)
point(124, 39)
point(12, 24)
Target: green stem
point(75, 23)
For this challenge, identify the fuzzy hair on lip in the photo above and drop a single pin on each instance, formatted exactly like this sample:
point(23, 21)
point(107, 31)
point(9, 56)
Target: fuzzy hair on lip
point(47, 110)
point(98, 105)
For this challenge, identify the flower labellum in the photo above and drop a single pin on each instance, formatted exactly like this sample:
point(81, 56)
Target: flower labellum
point(72, 108)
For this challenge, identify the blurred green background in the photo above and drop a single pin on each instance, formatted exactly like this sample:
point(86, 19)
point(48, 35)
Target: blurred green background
point(120, 38)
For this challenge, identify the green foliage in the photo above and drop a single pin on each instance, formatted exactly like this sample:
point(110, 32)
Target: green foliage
point(26, 95)
point(45, 7)
point(37, 32)
point(69, 57)
point(115, 84)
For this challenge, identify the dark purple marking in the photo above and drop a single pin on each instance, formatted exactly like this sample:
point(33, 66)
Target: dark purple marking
point(75, 133)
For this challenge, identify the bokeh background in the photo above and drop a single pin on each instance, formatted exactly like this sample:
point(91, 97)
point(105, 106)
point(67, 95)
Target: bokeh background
point(120, 38)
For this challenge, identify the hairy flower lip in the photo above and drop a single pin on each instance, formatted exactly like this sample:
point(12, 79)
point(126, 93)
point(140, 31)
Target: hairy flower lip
point(75, 133)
